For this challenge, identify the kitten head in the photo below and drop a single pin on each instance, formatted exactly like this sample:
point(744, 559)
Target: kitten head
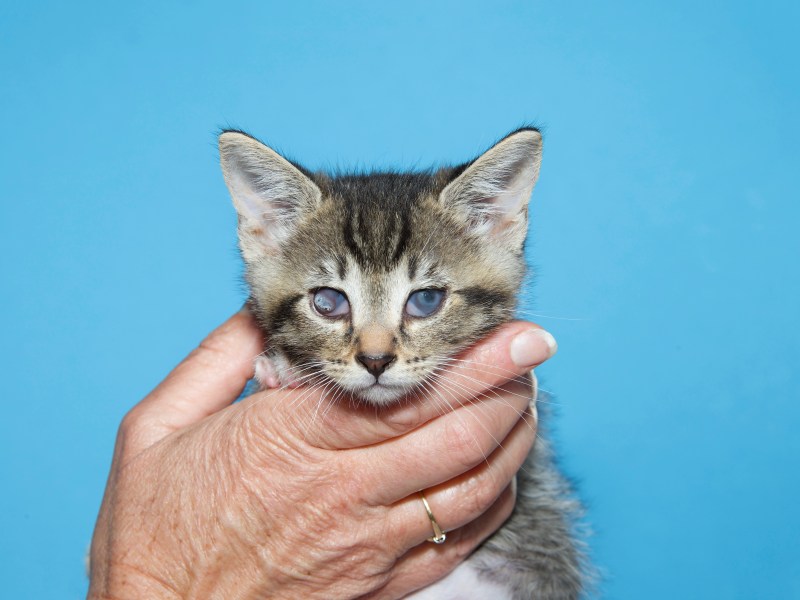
point(373, 281)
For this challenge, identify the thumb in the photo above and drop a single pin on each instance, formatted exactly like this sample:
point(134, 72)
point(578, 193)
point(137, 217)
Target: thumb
point(209, 379)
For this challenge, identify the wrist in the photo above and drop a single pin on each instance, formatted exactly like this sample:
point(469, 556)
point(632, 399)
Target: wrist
point(120, 582)
point(128, 582)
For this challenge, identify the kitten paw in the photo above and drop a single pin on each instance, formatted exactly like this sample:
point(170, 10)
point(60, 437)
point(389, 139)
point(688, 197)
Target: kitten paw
point(267, 373)
point(274, 371)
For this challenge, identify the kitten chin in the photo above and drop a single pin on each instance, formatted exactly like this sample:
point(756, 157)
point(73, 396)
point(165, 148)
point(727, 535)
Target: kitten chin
point(382, 394)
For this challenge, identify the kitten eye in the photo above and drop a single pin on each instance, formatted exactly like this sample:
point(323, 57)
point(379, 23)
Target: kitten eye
point(423, 303)
point(330, 303)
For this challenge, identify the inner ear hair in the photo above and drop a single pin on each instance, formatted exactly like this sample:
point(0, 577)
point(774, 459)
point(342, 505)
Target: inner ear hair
point(268, 191)
point(492, 192)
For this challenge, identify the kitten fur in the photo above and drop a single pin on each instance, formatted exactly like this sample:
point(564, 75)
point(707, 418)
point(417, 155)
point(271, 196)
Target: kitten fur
point(377, 238)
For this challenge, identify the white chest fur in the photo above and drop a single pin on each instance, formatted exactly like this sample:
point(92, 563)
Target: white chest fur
point(462, 584)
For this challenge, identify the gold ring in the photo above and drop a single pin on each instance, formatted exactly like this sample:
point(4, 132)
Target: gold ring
point(439, 536)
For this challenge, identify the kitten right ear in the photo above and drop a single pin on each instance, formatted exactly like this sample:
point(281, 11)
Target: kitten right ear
point(268, 192)
point(492, 192)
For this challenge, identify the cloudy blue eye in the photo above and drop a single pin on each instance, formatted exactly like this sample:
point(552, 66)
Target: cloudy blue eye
point(330, 303)
point(423, 303)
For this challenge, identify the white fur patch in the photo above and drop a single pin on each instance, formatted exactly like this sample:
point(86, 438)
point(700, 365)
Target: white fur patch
point(462, 584)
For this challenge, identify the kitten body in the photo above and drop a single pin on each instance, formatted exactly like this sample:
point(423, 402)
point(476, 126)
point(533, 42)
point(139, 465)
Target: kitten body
point(370, 283)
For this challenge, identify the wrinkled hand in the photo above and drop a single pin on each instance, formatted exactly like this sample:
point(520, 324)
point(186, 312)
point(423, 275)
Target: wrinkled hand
point(287, 495)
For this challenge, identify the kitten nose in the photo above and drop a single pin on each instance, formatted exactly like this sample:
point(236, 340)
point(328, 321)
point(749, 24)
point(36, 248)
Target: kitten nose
point(376, 364)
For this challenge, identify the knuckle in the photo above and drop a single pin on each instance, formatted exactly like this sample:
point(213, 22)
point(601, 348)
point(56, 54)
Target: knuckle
point(340, 494)
point(132, 434)
point(345, 529)
point(480, 490)
point(482, 493)
point(444, 562)
point(403, 419)
point(506, 508)
point(350, 484)
point(210, 352)
point(465, 444)
point(463, 546)
point(131, 423)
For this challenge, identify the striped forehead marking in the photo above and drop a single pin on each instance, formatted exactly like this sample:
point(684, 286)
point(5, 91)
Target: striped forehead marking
point(376, 239)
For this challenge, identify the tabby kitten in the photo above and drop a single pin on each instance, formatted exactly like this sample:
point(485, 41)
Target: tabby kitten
point(374, 281)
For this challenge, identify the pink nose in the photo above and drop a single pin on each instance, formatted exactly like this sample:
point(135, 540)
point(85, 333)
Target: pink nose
point(376, 364)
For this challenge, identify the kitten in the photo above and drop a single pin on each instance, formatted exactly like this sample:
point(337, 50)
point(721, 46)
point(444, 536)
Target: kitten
point(373, 281)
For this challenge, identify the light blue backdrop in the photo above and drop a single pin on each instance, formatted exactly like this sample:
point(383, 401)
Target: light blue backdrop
point(664, 227)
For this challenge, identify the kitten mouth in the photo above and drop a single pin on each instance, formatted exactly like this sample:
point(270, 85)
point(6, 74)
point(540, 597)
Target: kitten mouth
point(381, 393)
point(379, 385)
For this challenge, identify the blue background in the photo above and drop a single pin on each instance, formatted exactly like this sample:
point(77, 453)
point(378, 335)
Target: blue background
point(664, 234)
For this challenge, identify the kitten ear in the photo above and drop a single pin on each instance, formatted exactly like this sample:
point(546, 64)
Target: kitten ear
point(493, 191)
point(268, 191)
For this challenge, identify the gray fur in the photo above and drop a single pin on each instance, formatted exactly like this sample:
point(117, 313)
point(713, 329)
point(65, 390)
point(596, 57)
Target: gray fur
point(377, 238)
point(538, 552)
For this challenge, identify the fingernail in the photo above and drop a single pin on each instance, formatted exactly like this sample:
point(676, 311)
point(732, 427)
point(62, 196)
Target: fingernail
point(532, 347)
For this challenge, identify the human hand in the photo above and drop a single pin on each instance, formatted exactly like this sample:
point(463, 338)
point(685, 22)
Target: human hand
point(286, 495)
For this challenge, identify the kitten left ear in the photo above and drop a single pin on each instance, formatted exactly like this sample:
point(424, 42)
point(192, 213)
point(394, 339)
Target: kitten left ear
point(492, 193)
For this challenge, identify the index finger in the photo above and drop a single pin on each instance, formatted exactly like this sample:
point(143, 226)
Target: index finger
point(508, 353)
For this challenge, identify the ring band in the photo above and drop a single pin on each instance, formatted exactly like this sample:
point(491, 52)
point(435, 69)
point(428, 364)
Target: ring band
point(439, 536)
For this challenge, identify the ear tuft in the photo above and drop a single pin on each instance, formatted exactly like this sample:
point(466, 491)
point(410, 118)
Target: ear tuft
point(268, 191)
point(492, 193)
